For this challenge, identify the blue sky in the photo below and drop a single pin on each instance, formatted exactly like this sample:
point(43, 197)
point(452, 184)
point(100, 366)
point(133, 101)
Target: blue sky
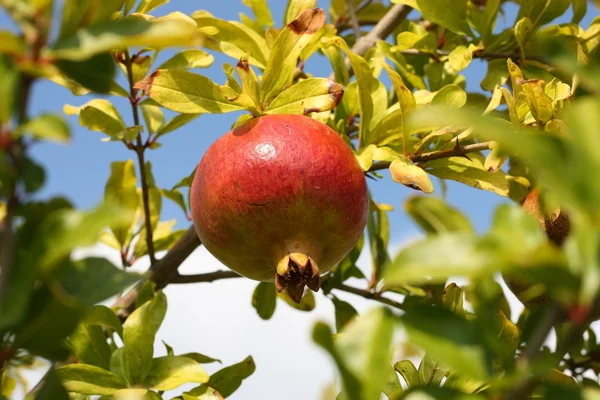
point(79, 170)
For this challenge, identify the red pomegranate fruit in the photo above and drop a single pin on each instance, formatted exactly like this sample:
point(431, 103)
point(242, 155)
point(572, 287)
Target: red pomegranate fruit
point(281, 197)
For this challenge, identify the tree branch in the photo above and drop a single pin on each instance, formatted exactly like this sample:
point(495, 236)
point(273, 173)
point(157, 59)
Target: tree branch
point(434, 155)
point(208, 277)
point(139, 149)
point(353, 18)
point(162, 271)
point(384, 27)
point(554, 315)
point(16, 152)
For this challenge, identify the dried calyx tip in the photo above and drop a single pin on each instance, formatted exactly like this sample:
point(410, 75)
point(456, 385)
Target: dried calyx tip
point(295, 271)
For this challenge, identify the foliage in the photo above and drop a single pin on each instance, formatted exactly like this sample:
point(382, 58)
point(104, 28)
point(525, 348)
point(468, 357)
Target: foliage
point(407, 110)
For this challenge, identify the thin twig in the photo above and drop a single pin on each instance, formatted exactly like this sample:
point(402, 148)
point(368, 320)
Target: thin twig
point(370, 295)
point(353, 18)
point(434, 155)
point(139, 150)
point(219, 275)
point(477, 54)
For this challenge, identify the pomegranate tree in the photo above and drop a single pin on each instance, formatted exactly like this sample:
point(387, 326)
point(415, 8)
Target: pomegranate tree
point(280, 198)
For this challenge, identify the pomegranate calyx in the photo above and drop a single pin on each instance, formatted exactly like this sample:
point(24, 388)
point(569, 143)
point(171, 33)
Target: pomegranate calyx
point(295, 271)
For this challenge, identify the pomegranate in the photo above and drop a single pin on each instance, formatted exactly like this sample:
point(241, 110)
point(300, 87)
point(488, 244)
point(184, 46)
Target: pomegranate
point(280, 198)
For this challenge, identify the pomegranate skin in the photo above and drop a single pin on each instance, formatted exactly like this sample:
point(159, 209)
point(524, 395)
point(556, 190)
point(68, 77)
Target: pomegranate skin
point(277, 185)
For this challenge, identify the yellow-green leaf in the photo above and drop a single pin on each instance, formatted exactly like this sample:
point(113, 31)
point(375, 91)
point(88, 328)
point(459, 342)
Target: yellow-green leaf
point(11, 44)
point(295, 7)
point(188, 59)
point(89, 379)
point(249, 80)
point(451, 14)
point(153, 116)
point(308, 96)
point(98, 115)
point(121, 190)
point(146, 6)
point(185, 92)
point(284, 55)
point(232, 38)
point(470, 172)
point(261, 11)
point(450, 95)
point(170, 372)
point(405, 172)
point(461, 57)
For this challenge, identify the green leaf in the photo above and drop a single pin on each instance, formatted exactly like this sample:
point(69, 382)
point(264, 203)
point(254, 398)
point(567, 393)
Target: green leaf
point(378, 231)
point(33, 175)
point(496, 75)
point(431, 372)
point(11, 44)
point(308, 96)
point(121, 190)
point(9, 88)
point(451, 14)
point(307, 303)
point(540, 104)
point(77, 14)
point(471, 172)
point(138, 337)
point(94, 279)
point(170, 372)
point(185, 92)
point(232, 38)
point(229, 379)
point(344, 313)
point(130, 133)
point(145, 6)
point(48, 322)
point(450, 95)
point(95, 73)
point(264, 299)
point(52, 388)
point(50, 127)
point(408, 371)
point(361, 352)
point(453, 341)
point(523, 32)
point(543, 11)
point(366, 85)
point(177, 122)
point(188, 59)
point(433, 215)
point(98, 115)
point(176, 196)
point(69, 229)
point(461, 57)
point(295, 7)
point(579, 11)
point(153, 116)
point(286, 50)
point(88, 379)
point(452, 299)
point(203, 393)
point(173, 29)
point(103, 316)
point(89, 345)
point(436, 258)
point(201, 358)
point(261, 11)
